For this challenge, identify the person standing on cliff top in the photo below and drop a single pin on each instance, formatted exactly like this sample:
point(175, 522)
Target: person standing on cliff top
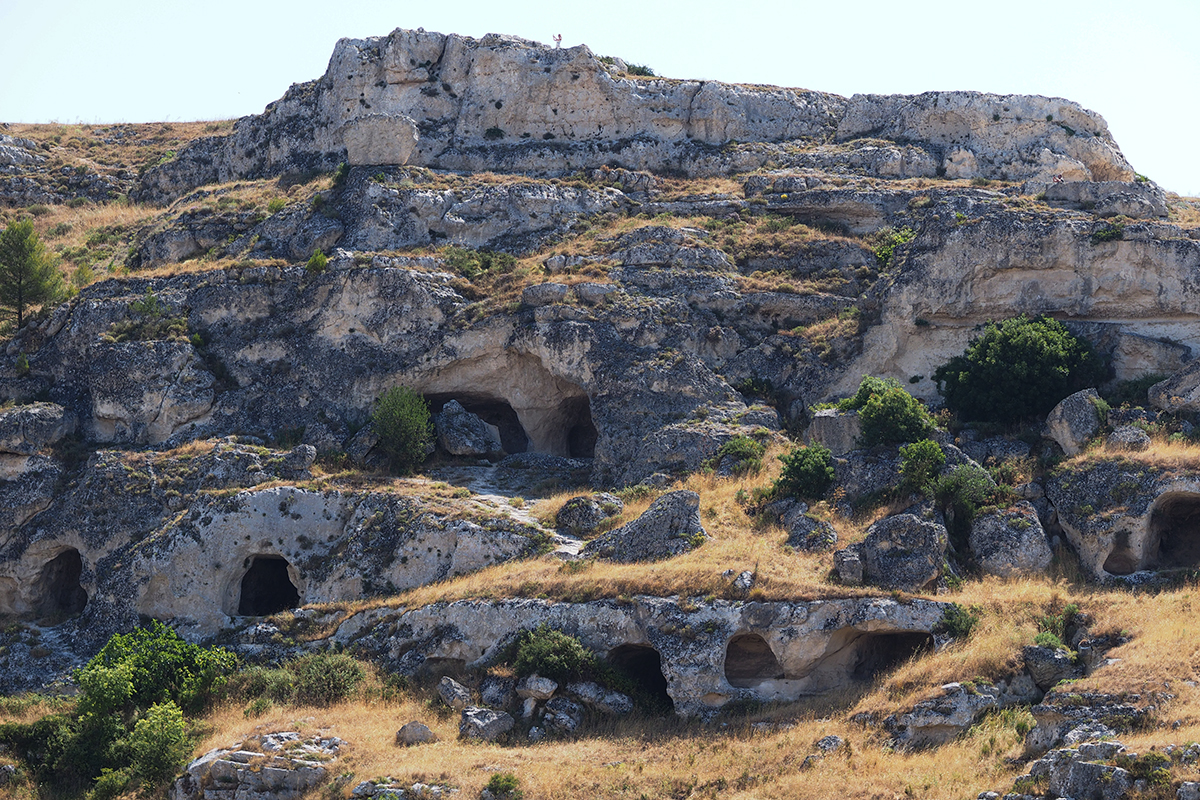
point(557, 41)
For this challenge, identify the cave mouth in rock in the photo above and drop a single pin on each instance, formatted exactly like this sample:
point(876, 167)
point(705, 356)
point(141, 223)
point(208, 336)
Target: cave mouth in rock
point(492, 410)
point(1175, 526)
point(876, 653)
point(643, 665)
point(565, 430)
point(1121, 559)
point(267, 588)
point(61, 594)
point(749, 661)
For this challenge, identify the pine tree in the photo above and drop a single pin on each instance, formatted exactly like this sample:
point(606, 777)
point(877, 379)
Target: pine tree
point(28, 275)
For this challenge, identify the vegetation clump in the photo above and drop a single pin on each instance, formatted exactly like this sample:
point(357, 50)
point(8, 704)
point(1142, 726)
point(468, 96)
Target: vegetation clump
point(1017, 369)
point(888, 414)
point(807, 472)
point(402, 422)
point(919, 465)
point(552, 654)
point(28, 274)
point(745, 453)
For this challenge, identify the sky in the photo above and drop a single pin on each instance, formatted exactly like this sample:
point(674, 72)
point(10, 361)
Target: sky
point(1136, 63)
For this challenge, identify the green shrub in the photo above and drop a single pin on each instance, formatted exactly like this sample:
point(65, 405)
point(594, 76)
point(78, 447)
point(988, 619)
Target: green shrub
point(317, 263)
point(505, 786)
point(1133, 392)
point(1110, 232)
point(552, 654)
point(324, 678)
point(1017, 369)
point(885, 241)
point(401, 421)
point(276, 204)
point(159, 744)
point(111, 784)
point(493, 133)
point(639, 69)
point(919, 465)
point(473, 263)
point(1048, 639)
point(962, 492)
point(956, 622)
point(746, 453)
point(888, 414)
point(807, 472)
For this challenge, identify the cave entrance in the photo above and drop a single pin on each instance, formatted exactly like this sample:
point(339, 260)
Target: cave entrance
point(749, 660)
point(267, 588)
point(876, 653)
point(581, 431)
point(61, 594)
point(494, 412)
point(1175, 528)
point(1121, 559)
point(643, 665)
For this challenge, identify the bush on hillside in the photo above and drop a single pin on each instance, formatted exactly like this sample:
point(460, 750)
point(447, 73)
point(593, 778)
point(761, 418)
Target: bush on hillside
point(919, 465)
point(888, 414)
point(552, 654)
point(807, 473)
point(1018, 369)
point(402, 422)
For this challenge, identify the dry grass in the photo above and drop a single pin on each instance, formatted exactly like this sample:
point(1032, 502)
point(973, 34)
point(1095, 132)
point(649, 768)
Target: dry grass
point(1183, 211)
point(1162, 453)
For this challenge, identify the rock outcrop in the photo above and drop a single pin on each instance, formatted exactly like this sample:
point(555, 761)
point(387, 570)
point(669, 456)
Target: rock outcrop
point(670, 526)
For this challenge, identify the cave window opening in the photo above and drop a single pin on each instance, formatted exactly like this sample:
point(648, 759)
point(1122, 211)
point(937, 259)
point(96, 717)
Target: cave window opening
point(749, 661)
point(581, 431)
point(61, 593)
point(1175, 526)
point(877, 653)
point(643, 666)
point(267, 588)
point(1121, 559)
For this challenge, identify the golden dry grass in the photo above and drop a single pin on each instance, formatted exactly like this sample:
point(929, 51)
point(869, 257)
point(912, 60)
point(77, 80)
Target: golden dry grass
point(1162, 453)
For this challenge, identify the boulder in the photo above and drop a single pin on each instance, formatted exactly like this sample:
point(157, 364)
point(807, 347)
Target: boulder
point(563, 715)
point(1010, 542)
point(24, 430)
point(837, 430)
point(484, 724)
point(580, 516)
point(1129, 437)
point(669, 527)
point(1180, 392)
point(461, 433)
point(806, 532)
point(1049, 666)
point(1074, 421)
point(536, 687)
point(848, 566)
point(497, 691)
point(453, 693)
point(904, 551)
point(544, 294)
point(415, 733)
point(597, 698)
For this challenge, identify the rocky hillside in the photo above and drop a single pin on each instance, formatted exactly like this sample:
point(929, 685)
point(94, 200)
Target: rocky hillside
point(622, 297)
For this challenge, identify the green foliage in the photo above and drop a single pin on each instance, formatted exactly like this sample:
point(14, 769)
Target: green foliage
point(1048, 639)
point(1017, 369)
point(807, 472)
point(324, 678)
point(473, 263)
point(746, 453)
point(401, 421)
point(505, 786)
point(340, 174)
point(885, 241)
point(28, 274)
point(111, 784)
point(23, 368)
point(956, 622)
point(1133, 392)
point(888, 414)
point(276, 204)
point(1110, 232)
point(919, 465)
point(639, 69)
point(149, 323)
point(552, 654)
point(317, 263)
point(159, 744)
point(965, 489)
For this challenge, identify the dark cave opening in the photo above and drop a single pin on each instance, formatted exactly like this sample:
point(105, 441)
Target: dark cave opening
point(1175, 526)
point(875, 653)
point(1121, 559)
point(643, 665)
point(581, 431)
point(61, 592)
point(491, 410)
point(749, 660)
point(267, 588)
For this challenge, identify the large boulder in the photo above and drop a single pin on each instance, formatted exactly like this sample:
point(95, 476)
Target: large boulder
point(1180, 392)
point(1010, 541)
point(453, 693)
point(904, 551)
point(485, 724)
point(1074, 421)
point(582, 515)
point(461, 433)
point(24, 430)
point(837, 430)
point(670, 526)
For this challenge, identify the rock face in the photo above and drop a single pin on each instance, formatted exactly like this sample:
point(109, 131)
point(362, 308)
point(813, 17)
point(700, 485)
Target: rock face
point(461, 433)
point(1010, 542)
point(508, 104)
point(698, 656)
point(670, 526)
point(904, 551)
point(1074, 421)
point(282, 765)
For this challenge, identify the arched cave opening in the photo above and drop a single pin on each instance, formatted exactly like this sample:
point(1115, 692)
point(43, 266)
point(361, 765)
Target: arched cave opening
point(58, 584)
point(876, 653)
point(581, 431)
point(1121, 559)
point(1175, 528)
point(493, 411)
point(267, 588)
point(749, 661)
point(643, 665)
point(565, 429)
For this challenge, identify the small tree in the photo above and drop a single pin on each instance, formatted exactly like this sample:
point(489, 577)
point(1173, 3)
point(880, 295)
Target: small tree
point(28, 275)
point(402, 423)
point(1017, 369)
point(807, 472)
point(889, 414)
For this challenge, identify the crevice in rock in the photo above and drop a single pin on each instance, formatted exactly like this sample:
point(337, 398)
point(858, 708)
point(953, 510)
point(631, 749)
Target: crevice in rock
point(267, 588)
point(643, 665)
point(60, 593)
point(749, 661)
point(1174, 532)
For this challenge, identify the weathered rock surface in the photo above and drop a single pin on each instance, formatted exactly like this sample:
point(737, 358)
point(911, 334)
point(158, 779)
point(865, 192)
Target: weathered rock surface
point(415, 733)
point(484, 724)
point(956, 708)
point(282, 765)
point(453, 693)
point(24, 430)
point(839, 431)
point(582, 515)
point(461, 433)
point(1010, 542)
point(904, 551)
point(669, 527)
point(1074, 421)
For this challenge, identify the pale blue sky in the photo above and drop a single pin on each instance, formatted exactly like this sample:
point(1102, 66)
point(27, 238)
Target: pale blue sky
point(1136, 63)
